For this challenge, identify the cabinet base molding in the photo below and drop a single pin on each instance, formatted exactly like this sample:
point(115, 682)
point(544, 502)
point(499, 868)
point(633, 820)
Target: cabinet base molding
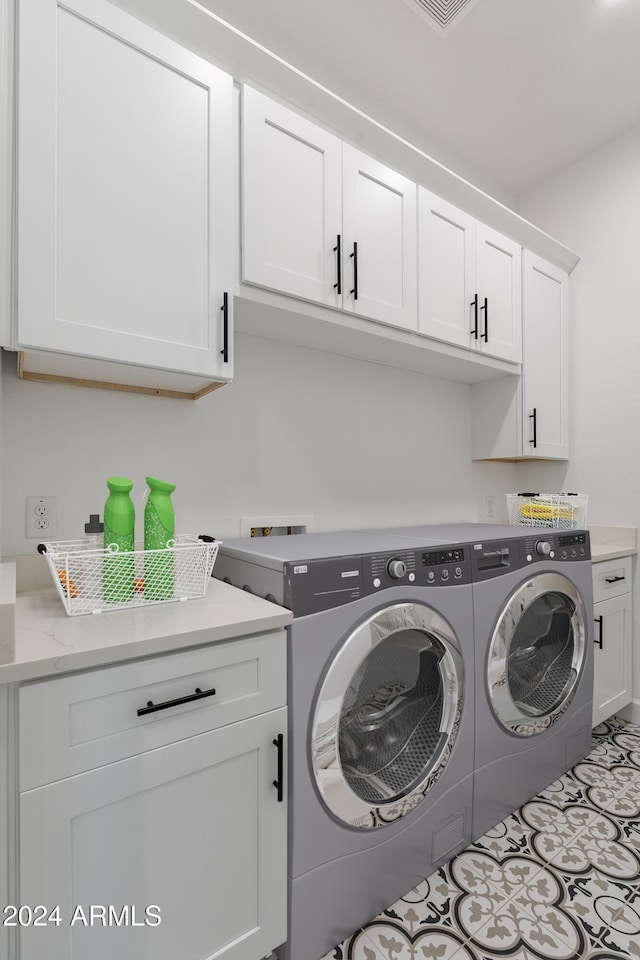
point(200, 389)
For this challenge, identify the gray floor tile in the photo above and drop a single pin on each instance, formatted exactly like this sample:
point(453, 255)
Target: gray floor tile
point(557, 880)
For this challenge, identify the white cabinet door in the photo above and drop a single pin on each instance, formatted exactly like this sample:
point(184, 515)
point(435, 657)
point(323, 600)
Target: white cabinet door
point(545, 368)
point(291, 202)
point(194, 829)
point(612, 657)
point(470, 281)
point(125, 146)
point(499, 289)
point(447, 298)
point(380, 244)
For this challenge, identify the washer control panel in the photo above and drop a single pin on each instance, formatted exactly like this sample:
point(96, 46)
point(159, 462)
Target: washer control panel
point(316, 585)
point(423, 568)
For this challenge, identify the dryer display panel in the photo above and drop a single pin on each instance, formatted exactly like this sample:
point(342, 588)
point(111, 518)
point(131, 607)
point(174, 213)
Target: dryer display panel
point(387, 715)
point(537, 654)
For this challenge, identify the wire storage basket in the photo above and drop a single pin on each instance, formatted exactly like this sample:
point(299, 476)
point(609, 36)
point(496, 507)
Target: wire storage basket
point(563, 511)
point(92, 579)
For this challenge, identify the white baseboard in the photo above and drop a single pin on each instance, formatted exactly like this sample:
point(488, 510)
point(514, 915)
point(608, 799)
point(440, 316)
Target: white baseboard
point(630, 712)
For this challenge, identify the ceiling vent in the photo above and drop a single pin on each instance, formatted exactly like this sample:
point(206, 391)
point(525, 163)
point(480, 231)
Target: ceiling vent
point(442, 15)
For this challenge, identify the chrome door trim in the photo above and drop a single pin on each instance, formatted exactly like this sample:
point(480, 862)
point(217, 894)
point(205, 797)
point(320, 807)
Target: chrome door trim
point(512, 717)
point(334, 790)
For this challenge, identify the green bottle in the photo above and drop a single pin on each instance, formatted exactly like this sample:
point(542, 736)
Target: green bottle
point(119, 532)
point(159, 530)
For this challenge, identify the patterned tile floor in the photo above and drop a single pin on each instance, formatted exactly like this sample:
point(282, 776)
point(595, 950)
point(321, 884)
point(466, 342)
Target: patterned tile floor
point(558, 880)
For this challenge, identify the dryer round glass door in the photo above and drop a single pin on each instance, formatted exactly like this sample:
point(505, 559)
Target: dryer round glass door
point(387, 715)
point(536, 654)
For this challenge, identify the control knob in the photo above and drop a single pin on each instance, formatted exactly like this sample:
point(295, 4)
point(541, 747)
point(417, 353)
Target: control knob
point(543, 547)
point(396, 569)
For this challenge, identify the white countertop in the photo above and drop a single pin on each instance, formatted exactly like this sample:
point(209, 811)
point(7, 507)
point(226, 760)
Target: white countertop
point(48, 641)
point(611, 543)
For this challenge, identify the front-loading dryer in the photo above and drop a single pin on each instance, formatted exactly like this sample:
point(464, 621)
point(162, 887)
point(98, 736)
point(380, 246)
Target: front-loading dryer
point(533, 622)
point(533, 610)
point(380, 718)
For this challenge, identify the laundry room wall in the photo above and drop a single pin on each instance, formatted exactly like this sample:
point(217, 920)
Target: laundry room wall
point(299, 432)
point(594, 207)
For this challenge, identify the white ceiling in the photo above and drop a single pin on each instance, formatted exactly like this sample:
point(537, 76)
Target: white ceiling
point(517, 91)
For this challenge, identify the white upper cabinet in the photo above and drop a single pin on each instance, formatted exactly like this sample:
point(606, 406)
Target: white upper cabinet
point(322, 221)
point(380, 256)
point(525, 417)
point(499, 288)
point(470, 284)
point(446, 271)
point(291, 202)
point(545, 372)
point(125, 173)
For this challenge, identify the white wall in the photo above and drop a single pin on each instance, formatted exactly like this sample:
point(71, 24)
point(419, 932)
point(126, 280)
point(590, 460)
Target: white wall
point(594, 207)
point(301, 431)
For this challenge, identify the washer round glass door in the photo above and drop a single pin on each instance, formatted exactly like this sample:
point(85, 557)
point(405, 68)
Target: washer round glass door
point(536, 654)
point(387, 715)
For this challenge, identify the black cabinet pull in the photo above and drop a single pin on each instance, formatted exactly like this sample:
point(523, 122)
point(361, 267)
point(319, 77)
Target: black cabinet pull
point(474, 304)
point(279, 782)
point(534, 416)
point(225, 327)
point(598, 620)
point(354, 255)
point(613, 579)
point(485, 336)
point(338, 252)
point(152, 707)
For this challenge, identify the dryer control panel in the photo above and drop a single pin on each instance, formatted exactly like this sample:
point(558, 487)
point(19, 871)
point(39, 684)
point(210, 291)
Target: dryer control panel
point(496, 557)
point(323, 584)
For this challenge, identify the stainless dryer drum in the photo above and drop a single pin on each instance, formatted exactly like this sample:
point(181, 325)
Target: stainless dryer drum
point(536, 654)
point(387, 715)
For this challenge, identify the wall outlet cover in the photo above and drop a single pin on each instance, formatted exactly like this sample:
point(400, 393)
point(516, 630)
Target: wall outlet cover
point(41, 518)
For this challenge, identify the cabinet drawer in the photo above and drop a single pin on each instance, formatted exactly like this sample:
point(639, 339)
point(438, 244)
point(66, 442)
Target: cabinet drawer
point(611, 578)
point(86, 720)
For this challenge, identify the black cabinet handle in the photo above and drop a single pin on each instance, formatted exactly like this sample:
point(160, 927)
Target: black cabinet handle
point(534, 416)
point(355, 271)
point(152, 707)
point(474, 304)
point(598, 620)
point(338, 252)
point(613, 579)
point(485, 336)
point(225, 327)
point(279, 782)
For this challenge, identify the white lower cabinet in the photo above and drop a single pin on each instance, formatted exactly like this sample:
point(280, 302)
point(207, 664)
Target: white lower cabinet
point(612, 637)
point(177, 851)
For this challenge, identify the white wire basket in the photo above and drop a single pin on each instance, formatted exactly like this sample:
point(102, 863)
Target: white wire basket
point(90, 579)
point(562, 511)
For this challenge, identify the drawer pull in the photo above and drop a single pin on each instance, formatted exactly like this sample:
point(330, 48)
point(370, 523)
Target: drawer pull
point(598, 620)
point(614, 579)
point(152, 707)
point(279, 783)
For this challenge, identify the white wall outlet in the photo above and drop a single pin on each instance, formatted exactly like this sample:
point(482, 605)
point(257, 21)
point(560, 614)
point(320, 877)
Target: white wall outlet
point(41, 518)
point(489, 507)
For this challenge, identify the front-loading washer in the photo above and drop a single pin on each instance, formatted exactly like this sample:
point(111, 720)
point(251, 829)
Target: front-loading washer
point(380, 717)
point(533, 619)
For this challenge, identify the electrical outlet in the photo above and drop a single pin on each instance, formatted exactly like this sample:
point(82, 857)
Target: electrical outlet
point(41, 519)
point(489, 507)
